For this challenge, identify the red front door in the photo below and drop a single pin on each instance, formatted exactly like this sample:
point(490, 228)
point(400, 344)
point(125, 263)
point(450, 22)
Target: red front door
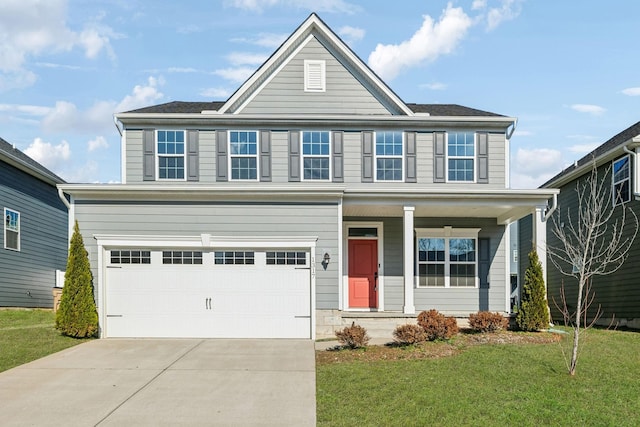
point(363, 273)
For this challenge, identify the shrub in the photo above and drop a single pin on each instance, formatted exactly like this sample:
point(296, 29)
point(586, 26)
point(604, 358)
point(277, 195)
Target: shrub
point(77, 316)
point(533, 314)
point(485, 321)
point(437, 326)
point(353, 336)
point(409, 334)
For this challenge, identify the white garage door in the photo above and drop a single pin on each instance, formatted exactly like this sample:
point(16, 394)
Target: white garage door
point(217, 294)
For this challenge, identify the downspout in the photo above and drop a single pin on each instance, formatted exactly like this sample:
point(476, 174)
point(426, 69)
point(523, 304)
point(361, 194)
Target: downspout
point(635, 170)
point(513, 129)
point(554, 206)
point(63, 198)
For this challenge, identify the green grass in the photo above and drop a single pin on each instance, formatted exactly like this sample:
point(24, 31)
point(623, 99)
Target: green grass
point(492, 385)
point(27, 335)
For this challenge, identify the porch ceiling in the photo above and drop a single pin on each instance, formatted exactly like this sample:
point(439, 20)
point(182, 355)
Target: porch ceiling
point(504, 205)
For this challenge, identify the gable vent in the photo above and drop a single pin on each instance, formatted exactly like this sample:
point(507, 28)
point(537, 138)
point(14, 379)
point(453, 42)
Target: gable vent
point(314, 76)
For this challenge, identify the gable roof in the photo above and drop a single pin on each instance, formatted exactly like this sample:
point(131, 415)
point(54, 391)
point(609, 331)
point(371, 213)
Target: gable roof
point(16, 158)
point(313, 25)
point(608, 148)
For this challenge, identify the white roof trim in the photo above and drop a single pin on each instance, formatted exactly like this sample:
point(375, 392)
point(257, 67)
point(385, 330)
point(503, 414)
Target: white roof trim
point(315, 22)
point(204, 241)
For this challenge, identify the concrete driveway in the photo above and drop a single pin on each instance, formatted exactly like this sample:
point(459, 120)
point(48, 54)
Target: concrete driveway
point(144, 382)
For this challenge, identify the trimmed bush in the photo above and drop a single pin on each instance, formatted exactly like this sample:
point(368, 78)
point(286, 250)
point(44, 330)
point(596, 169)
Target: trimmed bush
point(409, 334)
point(437, 326)
point(353, 336)
point(77, 315)
point(486, 321)
point(533, 314)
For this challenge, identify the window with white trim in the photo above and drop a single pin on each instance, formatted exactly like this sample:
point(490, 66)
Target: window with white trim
point(461, 151)
point(389, 156)
point(286, 258)
point(130, 256)
point(234, 258)
point(11, 229)
point(171, 154)
point(316, 153)
point(182, 257)
point(621, 180)
point(314, 75)
point(447, 257)
point(243, 154)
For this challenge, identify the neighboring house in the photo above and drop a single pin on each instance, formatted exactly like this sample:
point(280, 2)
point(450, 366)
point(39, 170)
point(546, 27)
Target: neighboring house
point(617, 294)
point(314, 196)
point(34, 235)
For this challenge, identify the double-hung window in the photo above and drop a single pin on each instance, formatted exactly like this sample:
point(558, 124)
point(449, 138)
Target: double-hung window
point(461, 156)
point(11, 229)
point(316, 154)
point(447, 258)
point(389, 156)
point(171, 154)
point(621, 180)
point(243, 149)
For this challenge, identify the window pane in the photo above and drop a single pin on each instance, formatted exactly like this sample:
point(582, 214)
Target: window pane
point(431, 274)
point(462, 275)
point(389, 169)
point(461, 250)
point(460, 170)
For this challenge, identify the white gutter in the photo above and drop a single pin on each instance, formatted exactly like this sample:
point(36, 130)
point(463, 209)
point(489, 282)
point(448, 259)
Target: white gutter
point(513, 128)
point(635, 170)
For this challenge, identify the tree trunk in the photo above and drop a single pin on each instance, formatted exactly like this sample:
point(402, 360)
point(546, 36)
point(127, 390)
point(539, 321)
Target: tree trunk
point(576, 331)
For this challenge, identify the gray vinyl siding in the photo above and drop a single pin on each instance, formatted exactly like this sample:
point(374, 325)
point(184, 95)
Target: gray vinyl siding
point(352, 156)
point(285, 92)
point(219, 219)
point(28, 276)
point(617, 294)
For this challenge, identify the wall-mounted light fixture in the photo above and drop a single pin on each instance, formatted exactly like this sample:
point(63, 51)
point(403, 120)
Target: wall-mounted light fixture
point(326, 258)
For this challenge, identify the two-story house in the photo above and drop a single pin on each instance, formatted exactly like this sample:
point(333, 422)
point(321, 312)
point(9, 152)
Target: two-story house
point(313, 195)
point(33, 244)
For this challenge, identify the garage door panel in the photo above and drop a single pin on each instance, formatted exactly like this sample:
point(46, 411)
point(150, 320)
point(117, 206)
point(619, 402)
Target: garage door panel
point(209, 300)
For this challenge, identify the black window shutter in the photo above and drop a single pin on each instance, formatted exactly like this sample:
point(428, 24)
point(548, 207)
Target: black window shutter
point(410, 157)
point(193, 163)
point(338, 156)
point(483, 158)
point(221, 156)
point(265, 155)
point(438, 157)
point(367, 156)
point(294, 156)
point(149, 155)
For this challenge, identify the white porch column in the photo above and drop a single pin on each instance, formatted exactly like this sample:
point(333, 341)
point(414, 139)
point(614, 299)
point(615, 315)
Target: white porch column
point(539, 238)
point(408, 257)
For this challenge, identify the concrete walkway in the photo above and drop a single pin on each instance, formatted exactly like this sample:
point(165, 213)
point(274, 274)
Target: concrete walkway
point(149, 382)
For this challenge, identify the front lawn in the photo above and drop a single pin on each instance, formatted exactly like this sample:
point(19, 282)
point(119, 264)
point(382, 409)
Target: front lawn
point(27, 335)
point(488, 384)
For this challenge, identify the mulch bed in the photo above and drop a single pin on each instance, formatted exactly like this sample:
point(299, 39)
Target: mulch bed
point(432, 350)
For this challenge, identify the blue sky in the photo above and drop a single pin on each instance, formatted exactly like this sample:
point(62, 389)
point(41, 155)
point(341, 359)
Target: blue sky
point(568, 70)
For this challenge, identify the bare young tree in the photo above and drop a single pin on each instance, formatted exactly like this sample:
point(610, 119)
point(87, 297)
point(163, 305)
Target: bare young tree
point(593, 241)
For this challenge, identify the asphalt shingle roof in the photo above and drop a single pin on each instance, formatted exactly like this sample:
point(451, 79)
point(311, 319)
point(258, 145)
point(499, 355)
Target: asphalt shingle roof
point(8, 150)
point(615, 141)
point(439, 110)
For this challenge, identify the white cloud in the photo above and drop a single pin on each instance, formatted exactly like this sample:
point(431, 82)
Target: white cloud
point(510, 9)
point(532, 168)
point(427, 44)
point(236, 75)
point(216, 92)
point(478, 4)
point(595, 110)
point(631, 91)
point(66, 117)
point(86, 173)
point(29, 28)
point(351, 34)
point(97, 143)
point(332, 6)
point(583, 148)
point(32, 110)
point(433, 86)
point(270, 40)
point(243, 58)
point(181, 70)
point(519, 132)
point(47, 154)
